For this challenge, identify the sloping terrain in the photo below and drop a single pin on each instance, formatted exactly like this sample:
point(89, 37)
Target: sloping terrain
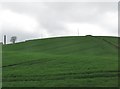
point(85, 61)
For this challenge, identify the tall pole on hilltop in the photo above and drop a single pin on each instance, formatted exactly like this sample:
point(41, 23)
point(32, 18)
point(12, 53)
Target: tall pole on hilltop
point(41, 36)
point(78, 31)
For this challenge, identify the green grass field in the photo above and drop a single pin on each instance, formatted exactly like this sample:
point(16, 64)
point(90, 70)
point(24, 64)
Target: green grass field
point(85, 61)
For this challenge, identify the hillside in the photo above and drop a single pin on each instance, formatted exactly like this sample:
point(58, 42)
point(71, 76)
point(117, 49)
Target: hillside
point(62, 62)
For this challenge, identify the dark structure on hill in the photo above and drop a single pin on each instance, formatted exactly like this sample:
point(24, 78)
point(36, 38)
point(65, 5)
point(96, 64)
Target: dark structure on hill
point(88, 35)
point(5, 39)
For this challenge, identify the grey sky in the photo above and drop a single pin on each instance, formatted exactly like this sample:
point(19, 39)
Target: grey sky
point(33, 20)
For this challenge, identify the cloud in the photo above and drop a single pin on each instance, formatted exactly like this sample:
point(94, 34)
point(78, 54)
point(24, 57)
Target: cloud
point(86, 29)
point(21, 25)
point(19, 21)
point(29, 20)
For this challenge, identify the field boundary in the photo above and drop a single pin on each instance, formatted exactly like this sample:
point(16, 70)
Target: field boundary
point(116, 46)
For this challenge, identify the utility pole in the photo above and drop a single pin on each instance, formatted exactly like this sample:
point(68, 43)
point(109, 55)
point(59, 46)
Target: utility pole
point(5, 39)
point(41, 36)
point(78, 31)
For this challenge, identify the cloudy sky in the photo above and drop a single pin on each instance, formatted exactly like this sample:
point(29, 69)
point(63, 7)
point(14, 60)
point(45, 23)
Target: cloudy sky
point(34, 20)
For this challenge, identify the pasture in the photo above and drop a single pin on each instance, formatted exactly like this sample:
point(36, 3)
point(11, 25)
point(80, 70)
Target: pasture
point(84, 61)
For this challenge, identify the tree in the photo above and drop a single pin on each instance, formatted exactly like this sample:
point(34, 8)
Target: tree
point(13, 39)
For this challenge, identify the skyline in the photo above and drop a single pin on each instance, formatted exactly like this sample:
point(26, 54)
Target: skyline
point(34, 20)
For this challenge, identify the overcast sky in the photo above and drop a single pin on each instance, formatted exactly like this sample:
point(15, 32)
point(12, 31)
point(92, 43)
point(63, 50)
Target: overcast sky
point(34, 20)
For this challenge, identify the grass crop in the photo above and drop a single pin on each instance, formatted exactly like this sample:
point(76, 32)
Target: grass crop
point(85, 61)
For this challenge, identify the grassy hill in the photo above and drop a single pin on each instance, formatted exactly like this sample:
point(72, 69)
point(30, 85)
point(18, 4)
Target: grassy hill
point(85, 61)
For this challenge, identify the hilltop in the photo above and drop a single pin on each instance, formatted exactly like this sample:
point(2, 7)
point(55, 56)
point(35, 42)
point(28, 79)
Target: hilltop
point(62, 61)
